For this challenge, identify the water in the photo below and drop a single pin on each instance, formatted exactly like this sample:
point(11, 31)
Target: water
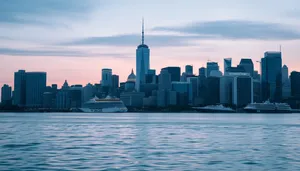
point(71, 141)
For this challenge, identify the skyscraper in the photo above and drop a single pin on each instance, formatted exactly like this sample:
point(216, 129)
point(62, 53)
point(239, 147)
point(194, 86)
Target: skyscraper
point(164, 80)
point(6, 95)
point(202, 72)
point(175, 73)
point(19, 96)
point(242, 90)
point(227, 64)
point(211, 66)
point(35, 88)
point(271, 77)
point(106, 77)
point(115, 85)
point(286, 84)
point(142, 61)
point(247, 64)
point(189, 70)
point(295, 84)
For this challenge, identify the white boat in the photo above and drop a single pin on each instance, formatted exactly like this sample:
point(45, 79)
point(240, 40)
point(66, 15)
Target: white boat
point(106, 105)
point(268, 107)
point(214, 109)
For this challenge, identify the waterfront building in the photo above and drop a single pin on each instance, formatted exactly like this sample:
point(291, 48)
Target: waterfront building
point(49, 100)
point(226, 84)
point(89, 91)
point(271, 78)
point(132, 99)
point(193, 89)
point(115, 86)
point(182, 89)
point(6, 95)
point(19, 95)
point(76, 97)
point(242, 90)
point(212, 90)
point(295, 84)
point(35, 88)
point(286, 84)
point(142, 62)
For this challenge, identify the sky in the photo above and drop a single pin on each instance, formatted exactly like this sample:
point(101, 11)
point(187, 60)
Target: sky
point(74, 39)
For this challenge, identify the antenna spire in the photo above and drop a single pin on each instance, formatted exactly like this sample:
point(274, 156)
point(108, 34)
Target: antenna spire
point(143, 32)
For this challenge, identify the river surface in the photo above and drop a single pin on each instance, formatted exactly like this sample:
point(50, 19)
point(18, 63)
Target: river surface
point(149, 141)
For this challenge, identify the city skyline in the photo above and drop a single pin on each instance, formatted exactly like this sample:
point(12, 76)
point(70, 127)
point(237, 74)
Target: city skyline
point(51, 40)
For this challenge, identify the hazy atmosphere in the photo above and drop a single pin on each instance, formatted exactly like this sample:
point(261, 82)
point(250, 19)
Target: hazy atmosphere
point(75, 39)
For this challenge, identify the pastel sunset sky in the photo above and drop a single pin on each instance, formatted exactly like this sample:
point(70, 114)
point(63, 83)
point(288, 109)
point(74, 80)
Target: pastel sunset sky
point(75, 39)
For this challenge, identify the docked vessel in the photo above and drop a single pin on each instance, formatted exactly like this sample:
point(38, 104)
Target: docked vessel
point(106, 105)
point(214, 109)
point(268, 107)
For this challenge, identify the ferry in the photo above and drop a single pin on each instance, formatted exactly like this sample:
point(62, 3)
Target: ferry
point(214, 109)
point(268, 107)
point(106, 105)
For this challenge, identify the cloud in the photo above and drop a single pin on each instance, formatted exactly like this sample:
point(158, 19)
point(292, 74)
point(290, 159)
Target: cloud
point(35, 11)
point(237, 29)
point(134, 40)
point(295, 14)
point(59, 53)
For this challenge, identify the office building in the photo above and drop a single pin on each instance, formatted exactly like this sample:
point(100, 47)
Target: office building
point(132, 99)
point(19, 96)
point(142, 62)
point(174, 72)
point(193, 89)
point(213, 90)
point(63, 100)
point(35, 88)
point(6, 95)
point(247, 64)
point(89, 91)
point(164, 80)
point(49, 100)
point(182, 89)
point(227, 64)
point(189, 69)
point(202, 71)
point(106, 80)
point(76, 97)
point(115, 86)
point(226, 90)
point(211, 66)
point(242, 90)
point(295, 84)
point(271, 78)
point(286, 84)
point(256, 91)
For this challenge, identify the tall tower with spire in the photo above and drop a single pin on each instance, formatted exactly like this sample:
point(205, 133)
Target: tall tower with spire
point(142, 61)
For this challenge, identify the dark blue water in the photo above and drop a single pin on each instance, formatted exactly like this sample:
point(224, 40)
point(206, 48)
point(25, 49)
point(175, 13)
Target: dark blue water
point(70, 141)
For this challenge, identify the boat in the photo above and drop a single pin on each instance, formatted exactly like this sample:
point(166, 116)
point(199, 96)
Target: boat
point(106, 105)
point(214, 109)
point(268, 107)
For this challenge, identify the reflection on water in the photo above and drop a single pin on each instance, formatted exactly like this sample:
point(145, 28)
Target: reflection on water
point(71, 141)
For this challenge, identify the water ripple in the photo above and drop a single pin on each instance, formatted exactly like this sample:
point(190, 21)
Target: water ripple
point(149, 142)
